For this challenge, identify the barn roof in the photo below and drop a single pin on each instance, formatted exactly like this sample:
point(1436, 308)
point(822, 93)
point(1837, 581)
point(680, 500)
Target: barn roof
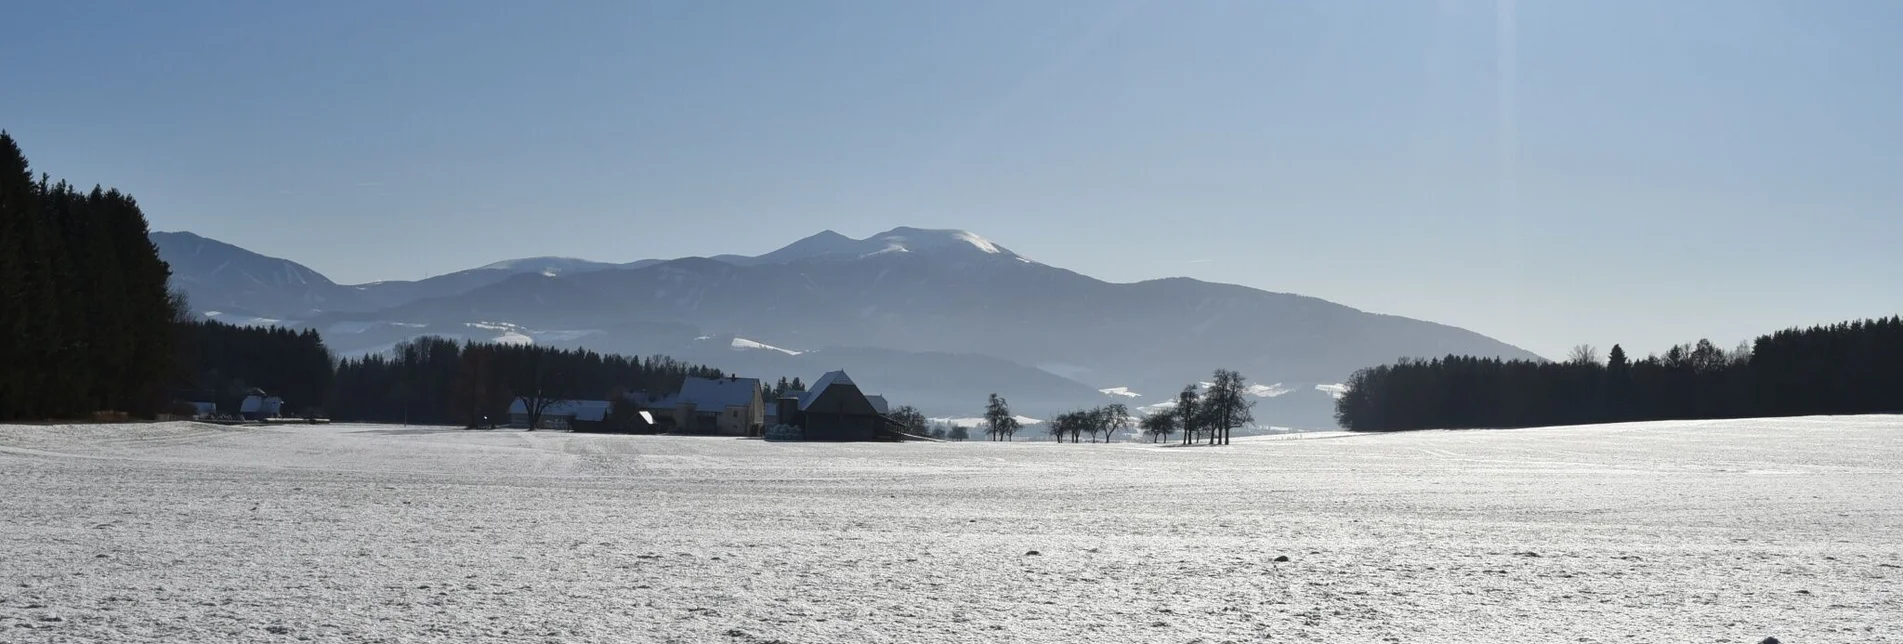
point(819, 388)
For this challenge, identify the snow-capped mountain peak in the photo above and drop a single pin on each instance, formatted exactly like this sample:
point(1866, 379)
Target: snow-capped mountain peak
point(913, 240)
point(904, 240)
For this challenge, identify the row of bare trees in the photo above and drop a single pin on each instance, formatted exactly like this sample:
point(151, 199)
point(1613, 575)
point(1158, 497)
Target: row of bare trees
point(1205, 412)
point(1107, 421)
point(1207, 415)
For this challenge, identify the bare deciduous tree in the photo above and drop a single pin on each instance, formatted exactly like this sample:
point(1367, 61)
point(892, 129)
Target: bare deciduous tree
point(1189, 413)
point(1116, 418)
point(535, 386)
point(913, 419)
point(999, 423)
point(1159, 425)
point(1226, 407)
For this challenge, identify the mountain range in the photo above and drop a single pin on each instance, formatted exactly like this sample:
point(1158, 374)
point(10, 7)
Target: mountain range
point(934, 318)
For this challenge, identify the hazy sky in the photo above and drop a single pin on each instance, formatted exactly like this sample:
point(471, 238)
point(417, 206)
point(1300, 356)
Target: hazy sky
point(1547, 173)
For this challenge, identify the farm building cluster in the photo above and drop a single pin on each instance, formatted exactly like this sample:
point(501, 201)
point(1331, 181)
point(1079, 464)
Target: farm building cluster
point(833, 409)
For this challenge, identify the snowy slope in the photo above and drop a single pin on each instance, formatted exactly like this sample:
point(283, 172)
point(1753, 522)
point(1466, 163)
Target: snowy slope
point(743, 344)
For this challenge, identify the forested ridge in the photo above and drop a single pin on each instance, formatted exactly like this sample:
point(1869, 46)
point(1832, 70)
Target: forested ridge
point(1846, 368)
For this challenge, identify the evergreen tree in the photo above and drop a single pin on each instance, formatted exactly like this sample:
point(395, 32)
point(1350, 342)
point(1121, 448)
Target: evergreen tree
point(17, 335)
point(85, 300)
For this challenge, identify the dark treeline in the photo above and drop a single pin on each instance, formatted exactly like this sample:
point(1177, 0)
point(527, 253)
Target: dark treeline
point(86, 323)
point(1845, 368)
point(432, 380)
point(222, 363)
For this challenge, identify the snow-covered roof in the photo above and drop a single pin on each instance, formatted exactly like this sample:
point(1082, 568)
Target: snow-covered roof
point(663, 401)
point(588, 410)
point(711, 394)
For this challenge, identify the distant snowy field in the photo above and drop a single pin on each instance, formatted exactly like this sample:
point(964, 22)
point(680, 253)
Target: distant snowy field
point(1656, 532)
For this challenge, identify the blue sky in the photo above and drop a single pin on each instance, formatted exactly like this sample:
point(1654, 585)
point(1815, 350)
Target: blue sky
point(1547, 173)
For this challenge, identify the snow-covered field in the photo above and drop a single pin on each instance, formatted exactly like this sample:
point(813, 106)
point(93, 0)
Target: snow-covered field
point(1658, 532)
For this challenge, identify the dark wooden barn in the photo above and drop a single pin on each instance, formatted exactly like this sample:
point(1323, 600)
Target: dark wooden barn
point(834, 409)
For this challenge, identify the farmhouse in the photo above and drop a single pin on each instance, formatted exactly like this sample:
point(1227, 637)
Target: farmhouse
point(729, 406)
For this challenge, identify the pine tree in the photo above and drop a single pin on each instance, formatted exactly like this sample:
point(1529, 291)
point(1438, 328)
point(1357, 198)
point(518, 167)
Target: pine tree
point(85, 300)
point(1846, 368)
point(16, 333)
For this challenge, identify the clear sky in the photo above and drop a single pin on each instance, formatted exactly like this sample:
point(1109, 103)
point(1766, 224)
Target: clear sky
point(1547, 173)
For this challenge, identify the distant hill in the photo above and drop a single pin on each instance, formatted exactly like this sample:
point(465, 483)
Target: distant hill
point(931, 310)
point(236, 282)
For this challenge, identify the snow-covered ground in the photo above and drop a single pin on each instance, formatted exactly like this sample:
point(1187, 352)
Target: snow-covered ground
point(1655, 532)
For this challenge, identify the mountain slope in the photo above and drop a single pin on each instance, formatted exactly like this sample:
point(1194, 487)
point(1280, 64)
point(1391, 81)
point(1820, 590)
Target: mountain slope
point(220, 277)
point(217, 276)
point(913, 292)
